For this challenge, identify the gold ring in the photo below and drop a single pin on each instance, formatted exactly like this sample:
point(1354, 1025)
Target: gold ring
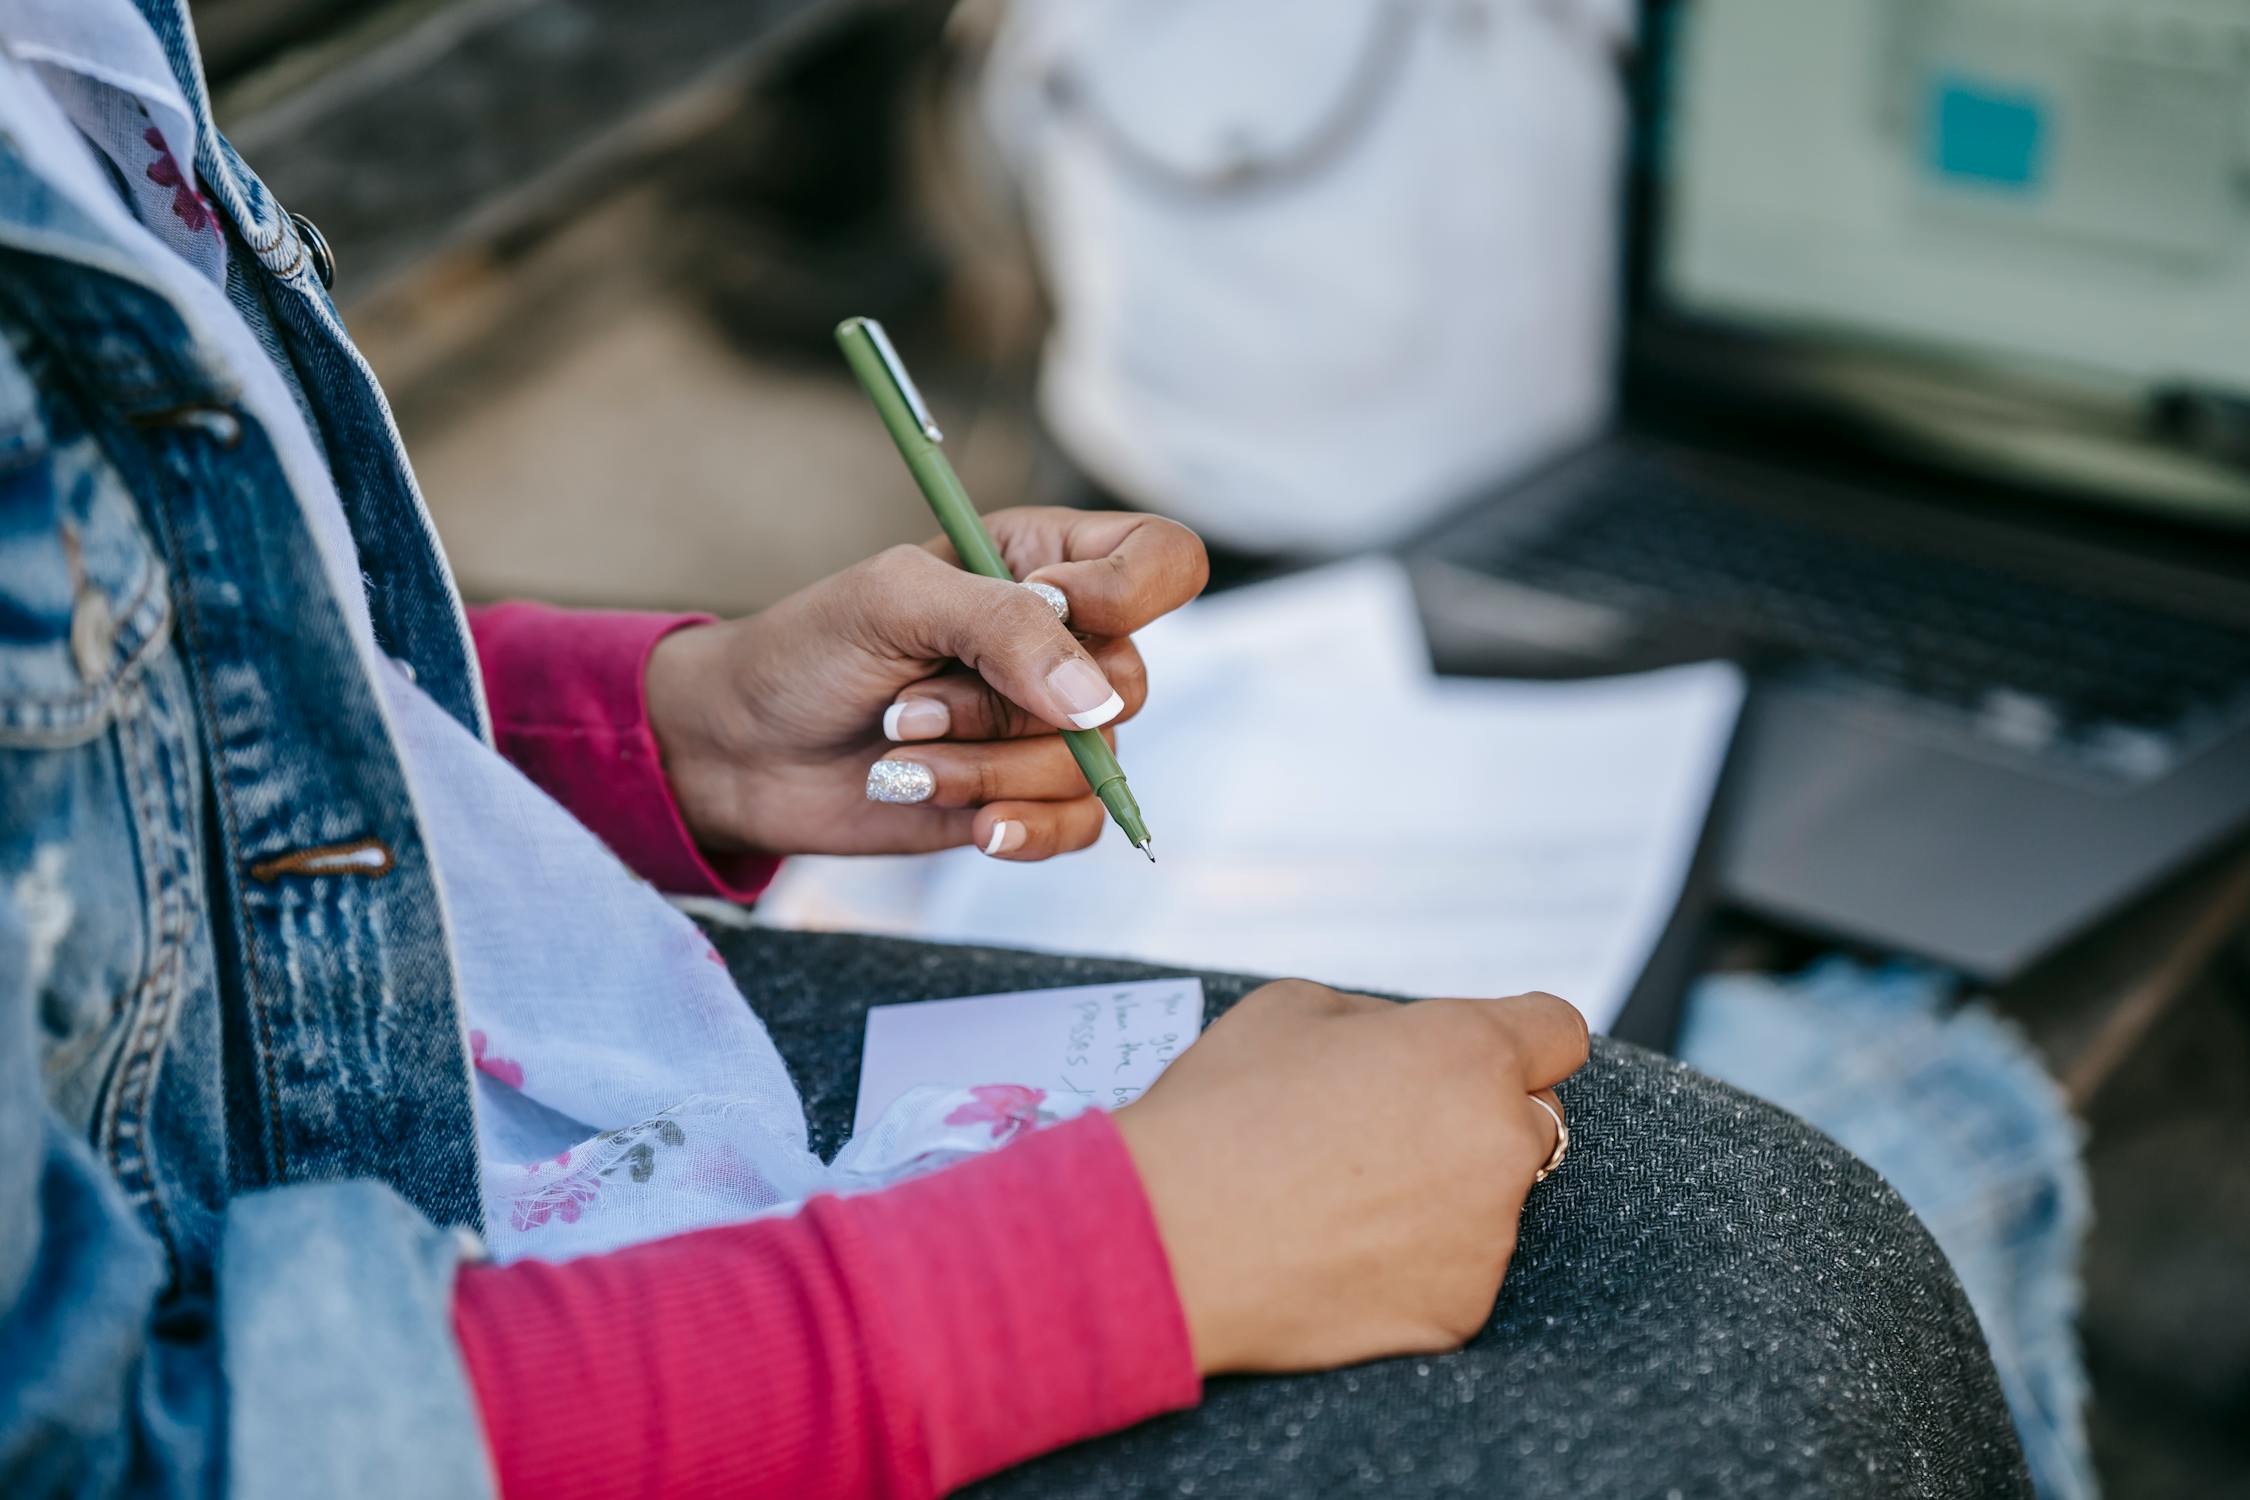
point(1562, 1140)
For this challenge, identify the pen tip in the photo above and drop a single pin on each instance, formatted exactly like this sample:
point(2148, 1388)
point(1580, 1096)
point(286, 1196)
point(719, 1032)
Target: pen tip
point(1143, 846)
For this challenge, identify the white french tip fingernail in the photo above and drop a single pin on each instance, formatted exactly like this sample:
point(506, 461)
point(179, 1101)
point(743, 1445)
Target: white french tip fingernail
point(916, 719)
point(1007, 834)
point(1095, 718)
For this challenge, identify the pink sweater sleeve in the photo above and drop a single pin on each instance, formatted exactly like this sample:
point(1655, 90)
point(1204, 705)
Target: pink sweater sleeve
point(896, 1344)
point(570, 709)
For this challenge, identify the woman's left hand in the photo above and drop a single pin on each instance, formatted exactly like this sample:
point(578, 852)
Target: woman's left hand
point(910, 679)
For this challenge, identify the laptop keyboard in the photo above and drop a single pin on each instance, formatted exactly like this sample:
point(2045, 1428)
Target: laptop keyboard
point(2108, 687)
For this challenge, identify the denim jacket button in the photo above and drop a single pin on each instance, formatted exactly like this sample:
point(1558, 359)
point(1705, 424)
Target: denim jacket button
point(93, 633)
point(316, 245)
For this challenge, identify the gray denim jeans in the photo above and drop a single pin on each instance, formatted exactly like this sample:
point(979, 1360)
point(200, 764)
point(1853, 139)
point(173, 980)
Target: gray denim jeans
point(1710, 1298)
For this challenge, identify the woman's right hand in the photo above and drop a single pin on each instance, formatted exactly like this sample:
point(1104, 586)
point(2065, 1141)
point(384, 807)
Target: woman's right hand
point(1338, 1178)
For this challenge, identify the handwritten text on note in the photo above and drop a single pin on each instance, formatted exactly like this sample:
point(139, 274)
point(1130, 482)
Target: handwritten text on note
point(1102, 1042)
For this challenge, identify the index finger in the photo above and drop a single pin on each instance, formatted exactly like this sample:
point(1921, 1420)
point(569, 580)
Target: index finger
point(1119, 570)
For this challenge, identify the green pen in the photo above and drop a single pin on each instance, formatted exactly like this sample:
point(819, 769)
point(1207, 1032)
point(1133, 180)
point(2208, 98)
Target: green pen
point(883, 376)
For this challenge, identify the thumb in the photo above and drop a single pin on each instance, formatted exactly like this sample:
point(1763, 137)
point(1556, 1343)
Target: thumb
point(926, 608)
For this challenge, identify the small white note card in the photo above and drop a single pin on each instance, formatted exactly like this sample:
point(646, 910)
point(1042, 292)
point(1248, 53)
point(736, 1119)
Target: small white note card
point(1104, 1042)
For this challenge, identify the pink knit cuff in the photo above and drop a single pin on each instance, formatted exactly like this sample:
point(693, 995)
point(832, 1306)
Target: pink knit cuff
point(569, 700)
point(899, 1343)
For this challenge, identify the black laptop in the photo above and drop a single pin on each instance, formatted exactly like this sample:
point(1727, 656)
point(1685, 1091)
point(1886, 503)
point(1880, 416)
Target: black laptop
point(1937, 414)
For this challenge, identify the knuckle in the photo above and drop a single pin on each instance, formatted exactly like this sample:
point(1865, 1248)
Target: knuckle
point(1286, 995)
point(1127, 673)
point(1464, 1326)
point(1018, 631)
point(1501, 1044)
point(1257, 1003)
point(1502, 1035)
point(1478, 1030)
point(898, 562)
point(1562, 1007)
point(996, 717)
point(1585, 1028)
point(1187, 552)
point(1466, 1310)
point(1086, 829)
point(890, 590)
point(1021, 612)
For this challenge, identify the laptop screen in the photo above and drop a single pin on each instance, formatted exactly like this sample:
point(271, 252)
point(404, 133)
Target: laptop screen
point(2042, 196)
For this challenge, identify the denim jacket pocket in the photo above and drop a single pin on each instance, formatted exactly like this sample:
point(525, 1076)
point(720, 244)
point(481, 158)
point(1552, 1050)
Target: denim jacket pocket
point(99, 795)
point(84, 600)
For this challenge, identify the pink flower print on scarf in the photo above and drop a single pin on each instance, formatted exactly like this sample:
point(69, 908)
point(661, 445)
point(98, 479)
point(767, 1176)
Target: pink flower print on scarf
point(631, 1150)
point(507, 1070)
point(564, 1197)
point(1011, 1107)
point(188, 206)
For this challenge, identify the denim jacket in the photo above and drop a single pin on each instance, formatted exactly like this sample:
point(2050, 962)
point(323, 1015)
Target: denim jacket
point(236, 1144)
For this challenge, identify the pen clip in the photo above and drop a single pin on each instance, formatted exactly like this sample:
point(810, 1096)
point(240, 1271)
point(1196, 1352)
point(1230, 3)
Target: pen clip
point(907, 390)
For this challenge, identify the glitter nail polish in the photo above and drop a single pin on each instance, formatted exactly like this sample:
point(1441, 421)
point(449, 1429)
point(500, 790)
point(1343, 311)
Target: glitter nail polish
point(900, 781)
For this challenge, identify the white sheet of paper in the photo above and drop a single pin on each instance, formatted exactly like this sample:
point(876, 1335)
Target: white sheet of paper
point(1104, 1041)
point(1323, 806)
